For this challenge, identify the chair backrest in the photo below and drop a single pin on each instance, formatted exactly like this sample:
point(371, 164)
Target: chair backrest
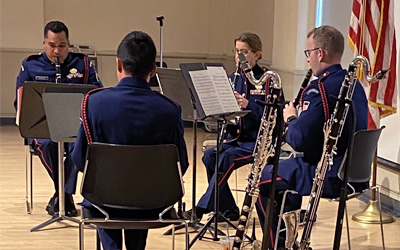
point(132, 177)
point(364, 146)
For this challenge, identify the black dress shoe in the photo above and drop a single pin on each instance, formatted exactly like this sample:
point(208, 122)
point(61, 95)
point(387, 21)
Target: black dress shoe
point(49, 207)
point(53, 206)
point(232, 215)
point(187, 215)
point(70, 209)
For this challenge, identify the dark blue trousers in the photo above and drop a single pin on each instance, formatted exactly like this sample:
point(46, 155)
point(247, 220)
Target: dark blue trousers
point(48, 155)
point(230, 158)
point(293, 202)
point(135, 239)
point(111, 239)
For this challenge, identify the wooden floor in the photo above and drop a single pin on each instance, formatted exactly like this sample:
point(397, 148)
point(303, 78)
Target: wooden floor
point(15, 222)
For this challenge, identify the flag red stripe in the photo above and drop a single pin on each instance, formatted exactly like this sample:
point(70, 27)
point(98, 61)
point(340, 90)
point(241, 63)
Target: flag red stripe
point(356, 8)
point(380, 52)
point(371, 123)
point(371, 26)
point(389, 91)
point(379, 3)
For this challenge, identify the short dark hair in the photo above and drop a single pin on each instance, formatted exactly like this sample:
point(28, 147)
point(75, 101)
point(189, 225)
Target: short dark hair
point(329, 39)
point(253, 40)
point(137, 53)
point(56, 27)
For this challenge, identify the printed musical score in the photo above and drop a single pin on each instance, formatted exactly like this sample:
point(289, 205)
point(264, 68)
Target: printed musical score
point(214, 91)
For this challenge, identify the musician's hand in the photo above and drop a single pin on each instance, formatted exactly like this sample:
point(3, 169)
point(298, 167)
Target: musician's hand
point(289, 110)
point(241, 100)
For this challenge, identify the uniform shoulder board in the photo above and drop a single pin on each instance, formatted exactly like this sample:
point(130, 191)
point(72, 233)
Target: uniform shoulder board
point(324, 76)
point(264, 69)
point(167, 98)
point(33, 56)
point(96, 90)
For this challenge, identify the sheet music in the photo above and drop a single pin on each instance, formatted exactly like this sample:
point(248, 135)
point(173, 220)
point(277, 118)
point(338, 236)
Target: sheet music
point(224, 89)
point(206, 91)
point(214, 91)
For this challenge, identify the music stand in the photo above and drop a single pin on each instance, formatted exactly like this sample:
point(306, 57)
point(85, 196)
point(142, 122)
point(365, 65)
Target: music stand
point(173, 85)
point(222, 119)
point(60, 108)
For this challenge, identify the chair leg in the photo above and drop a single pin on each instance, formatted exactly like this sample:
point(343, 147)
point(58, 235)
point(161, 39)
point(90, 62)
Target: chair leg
point(278, 228)
point(98, 244)
point(28, 180)
point(81, 235)
point(348, 230)
point(380, 216)
point(173, 237)
point(236, 183)
point(186, 236)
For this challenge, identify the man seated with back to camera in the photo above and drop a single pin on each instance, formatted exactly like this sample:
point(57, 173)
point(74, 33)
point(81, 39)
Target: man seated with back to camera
point(238, 148)
point(325, 47)
point(130, 114)
point(75, 68)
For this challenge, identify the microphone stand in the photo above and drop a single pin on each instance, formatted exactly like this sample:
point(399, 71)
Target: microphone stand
point(160, 19)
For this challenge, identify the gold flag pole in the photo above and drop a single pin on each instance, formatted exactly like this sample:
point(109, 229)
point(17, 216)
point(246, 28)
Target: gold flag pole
point(371, 214)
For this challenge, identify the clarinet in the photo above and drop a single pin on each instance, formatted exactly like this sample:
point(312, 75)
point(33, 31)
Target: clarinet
point(296, 100)
point(235, 77)
point(263, 150)
point(332, 130)
point(304, 84)
point(58, 69)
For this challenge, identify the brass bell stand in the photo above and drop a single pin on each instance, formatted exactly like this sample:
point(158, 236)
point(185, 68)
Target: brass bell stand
point(371, 214)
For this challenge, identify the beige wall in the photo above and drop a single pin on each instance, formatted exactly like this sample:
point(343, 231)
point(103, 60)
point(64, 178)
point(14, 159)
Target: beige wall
point(193, 31)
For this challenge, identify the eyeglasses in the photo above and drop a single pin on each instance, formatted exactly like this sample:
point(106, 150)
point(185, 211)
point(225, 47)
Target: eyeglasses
point(307, 52)
point(244, 51)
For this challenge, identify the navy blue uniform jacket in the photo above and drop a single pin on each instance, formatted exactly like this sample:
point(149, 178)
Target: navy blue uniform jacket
point(305, 134)
point(129, 114)
point(75, 69)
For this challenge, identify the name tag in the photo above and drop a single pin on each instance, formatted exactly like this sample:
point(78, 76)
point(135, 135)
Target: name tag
point(41, 78)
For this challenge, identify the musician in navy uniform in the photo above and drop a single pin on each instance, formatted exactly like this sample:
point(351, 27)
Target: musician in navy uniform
point(238, 148)
point(75, 68)
point(130, 114)
point(325, 47)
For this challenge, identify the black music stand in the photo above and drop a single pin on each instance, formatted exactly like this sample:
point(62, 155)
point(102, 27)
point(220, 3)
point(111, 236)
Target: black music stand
point(230, 110)
point(173, 85)
point(267, 241)
point(56, 117)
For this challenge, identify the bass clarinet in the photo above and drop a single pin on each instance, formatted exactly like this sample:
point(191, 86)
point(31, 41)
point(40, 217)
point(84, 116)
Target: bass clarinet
point(332, 130)
point(264, 147)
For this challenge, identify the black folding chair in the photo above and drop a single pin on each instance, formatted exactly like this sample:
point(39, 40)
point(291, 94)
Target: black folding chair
point(359, 169)
point(359, 172)
point(131, 177)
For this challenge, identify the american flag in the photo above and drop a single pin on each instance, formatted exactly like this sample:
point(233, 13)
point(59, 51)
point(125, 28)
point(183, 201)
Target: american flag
point(372, 35)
